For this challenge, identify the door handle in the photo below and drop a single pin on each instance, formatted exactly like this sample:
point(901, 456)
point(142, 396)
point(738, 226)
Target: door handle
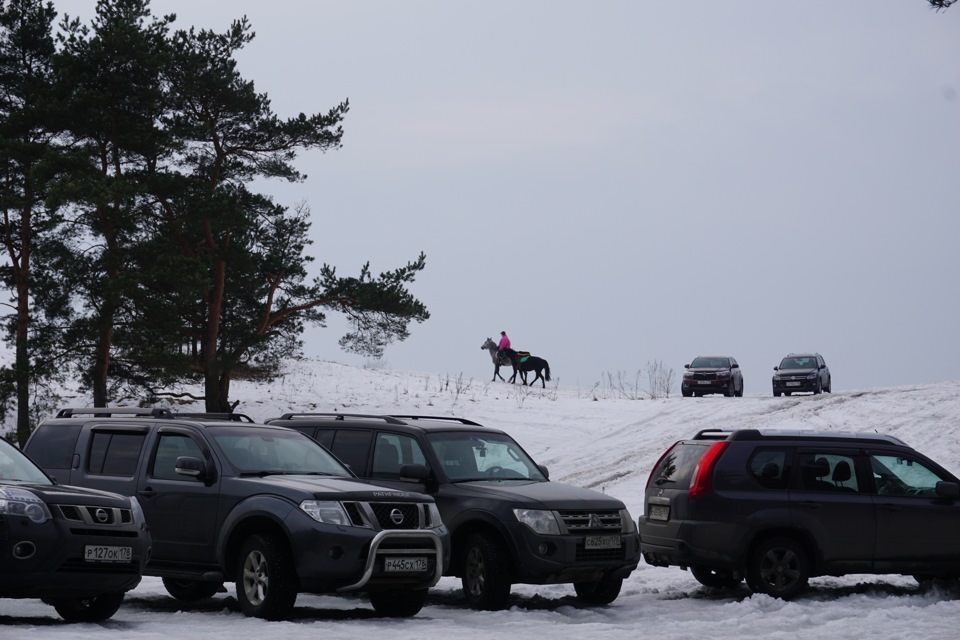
point(810, 504)
point(147, 492)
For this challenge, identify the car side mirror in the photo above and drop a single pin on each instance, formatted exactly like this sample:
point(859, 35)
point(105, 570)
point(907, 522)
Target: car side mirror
point(686, 366)
point(948, 490)
point(414, 473)
point(734, 366)
point(544, 471)
point(776, 368)
point(191, 466)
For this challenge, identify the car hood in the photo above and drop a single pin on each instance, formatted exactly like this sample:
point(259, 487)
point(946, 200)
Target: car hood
point(795, 372)
point(707, 369)
point(64, 494)
point(331, 488)
point(543, 495)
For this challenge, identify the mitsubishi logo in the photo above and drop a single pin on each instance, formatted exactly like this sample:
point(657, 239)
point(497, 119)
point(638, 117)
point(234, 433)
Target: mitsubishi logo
point(595, 522)
point(396, 516)
point(102, 516)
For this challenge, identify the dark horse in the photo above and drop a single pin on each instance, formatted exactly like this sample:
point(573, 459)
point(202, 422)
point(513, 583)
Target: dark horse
point(511, 358)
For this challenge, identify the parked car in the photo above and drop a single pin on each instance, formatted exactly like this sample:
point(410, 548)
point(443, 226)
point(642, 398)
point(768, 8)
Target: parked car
point(265, 507)
point(508, 522)
point(77, 549)
point(712, 374)
point(801, 372)
point(779, 507)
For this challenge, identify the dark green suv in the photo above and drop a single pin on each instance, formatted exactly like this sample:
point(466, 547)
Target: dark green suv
point(265, 507)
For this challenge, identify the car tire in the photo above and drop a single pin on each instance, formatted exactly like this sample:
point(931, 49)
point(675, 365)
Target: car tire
point(191, 590)
point(266, 580)
point(817, 390)
point(716, 578)
point(486, 572)
point(95, 609)
point(776, 394)
point(686, 393)
point(740, 392)
point(778, 567)
point(731, 390)
point(787, 393)
point(829, 387)
point(398, 603)
point(602, 591)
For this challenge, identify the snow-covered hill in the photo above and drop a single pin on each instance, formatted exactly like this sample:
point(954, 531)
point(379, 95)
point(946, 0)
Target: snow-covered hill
point(592, 437)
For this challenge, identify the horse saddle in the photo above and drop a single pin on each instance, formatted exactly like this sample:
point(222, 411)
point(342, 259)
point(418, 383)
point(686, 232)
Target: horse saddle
point(523, 355)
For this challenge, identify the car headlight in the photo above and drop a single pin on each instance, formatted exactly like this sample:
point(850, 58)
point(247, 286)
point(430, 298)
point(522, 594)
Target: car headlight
point(20, 502)
point(627, 523)
point(813, 376)
point(776, 377)
point(688, 374)
point(138, 517)
point(539, 520)
point(434, 520)
point(327, 512)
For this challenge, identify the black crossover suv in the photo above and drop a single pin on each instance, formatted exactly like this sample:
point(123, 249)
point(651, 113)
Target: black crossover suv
point(778, 507)
point(77, 549)
point(508, 523)
point(802, 373)
point(712, 374)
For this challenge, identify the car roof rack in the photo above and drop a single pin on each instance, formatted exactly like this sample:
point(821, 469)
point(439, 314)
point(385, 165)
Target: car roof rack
point(340, 416)
point(107, 412)
point(713, 434)
point(448, 418)
point(226, 416)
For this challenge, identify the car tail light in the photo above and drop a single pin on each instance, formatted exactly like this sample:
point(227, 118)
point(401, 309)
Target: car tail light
point(702, 474)
point(657, 465)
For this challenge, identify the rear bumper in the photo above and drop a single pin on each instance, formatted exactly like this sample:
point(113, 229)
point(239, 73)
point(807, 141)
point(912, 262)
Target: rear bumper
point(684, 545)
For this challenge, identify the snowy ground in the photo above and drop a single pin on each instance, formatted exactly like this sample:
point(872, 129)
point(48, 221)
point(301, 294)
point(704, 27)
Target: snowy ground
point(598, 438)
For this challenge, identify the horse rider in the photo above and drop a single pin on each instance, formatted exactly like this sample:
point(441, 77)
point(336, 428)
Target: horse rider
point(503, 345)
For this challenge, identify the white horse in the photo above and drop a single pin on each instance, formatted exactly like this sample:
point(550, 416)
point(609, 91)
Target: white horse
point(504, 361)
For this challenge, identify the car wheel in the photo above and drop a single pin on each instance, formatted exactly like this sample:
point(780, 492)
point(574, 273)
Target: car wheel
point(486, 572)
point(787, 393)
point(817, 390)
point(776, 394)
point(778, 567)
point(266, 580)
point(740, 392)
point(731, 390)
point(603, 591)
point(95, 609)
point(686, 393)
point(191, 590)
point(398, 603)
point(829, 387)
point(716, 578)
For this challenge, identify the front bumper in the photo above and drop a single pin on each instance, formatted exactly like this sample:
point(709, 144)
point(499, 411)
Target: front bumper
point(558, 559)
point(795, 386)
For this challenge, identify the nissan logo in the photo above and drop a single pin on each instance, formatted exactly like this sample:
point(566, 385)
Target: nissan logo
point(102, 516)
point(396, 516)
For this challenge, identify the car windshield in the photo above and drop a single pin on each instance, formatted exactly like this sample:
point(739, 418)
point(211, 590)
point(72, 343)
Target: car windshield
point(482, 456)
point(15, 466)
point(276, 451)
point(799, 363)
point(710, 363)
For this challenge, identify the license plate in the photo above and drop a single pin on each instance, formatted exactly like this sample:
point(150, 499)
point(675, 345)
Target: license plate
point(793, 384)
point(602, 542)
point(704, 381)
point(101, 553)
point(659, 512)
point(391, 565)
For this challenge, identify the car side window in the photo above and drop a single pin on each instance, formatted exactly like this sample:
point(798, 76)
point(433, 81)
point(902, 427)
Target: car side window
point(170, 447)
point(114, 453)
point(352, 446)
point(900, 476)
point(826, 471)
point(392, 451)
point(769, 468)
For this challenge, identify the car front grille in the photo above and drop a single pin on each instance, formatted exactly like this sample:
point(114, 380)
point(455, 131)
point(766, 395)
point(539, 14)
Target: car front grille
point(402, 515)
point(94, 515)
point(591, 521)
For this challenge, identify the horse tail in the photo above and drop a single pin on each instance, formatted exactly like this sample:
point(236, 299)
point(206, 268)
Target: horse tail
point(547, 365)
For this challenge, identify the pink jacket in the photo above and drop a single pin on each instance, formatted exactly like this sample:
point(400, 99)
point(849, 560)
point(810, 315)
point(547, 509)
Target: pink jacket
point(504, 343)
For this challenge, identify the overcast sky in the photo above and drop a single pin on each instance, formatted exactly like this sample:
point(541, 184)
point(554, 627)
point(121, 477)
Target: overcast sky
point(620, 182)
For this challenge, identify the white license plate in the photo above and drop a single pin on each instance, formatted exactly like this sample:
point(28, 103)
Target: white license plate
point(404, 564)
point(659, 512)
point(602, 542)
point(793, 384)
point(704, 381)
point(101, 553)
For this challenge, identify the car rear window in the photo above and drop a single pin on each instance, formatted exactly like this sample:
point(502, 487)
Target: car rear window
point(678, 464)
point(52, 446)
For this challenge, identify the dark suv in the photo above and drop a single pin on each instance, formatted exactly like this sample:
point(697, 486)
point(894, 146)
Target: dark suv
point(509, 524)
point(265, 507)
point(801, 372)
point(712, 374)
point(778, 507)
point(77, 549)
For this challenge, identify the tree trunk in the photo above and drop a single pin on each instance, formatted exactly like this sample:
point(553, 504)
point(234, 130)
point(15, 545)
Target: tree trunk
point(214, 390)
